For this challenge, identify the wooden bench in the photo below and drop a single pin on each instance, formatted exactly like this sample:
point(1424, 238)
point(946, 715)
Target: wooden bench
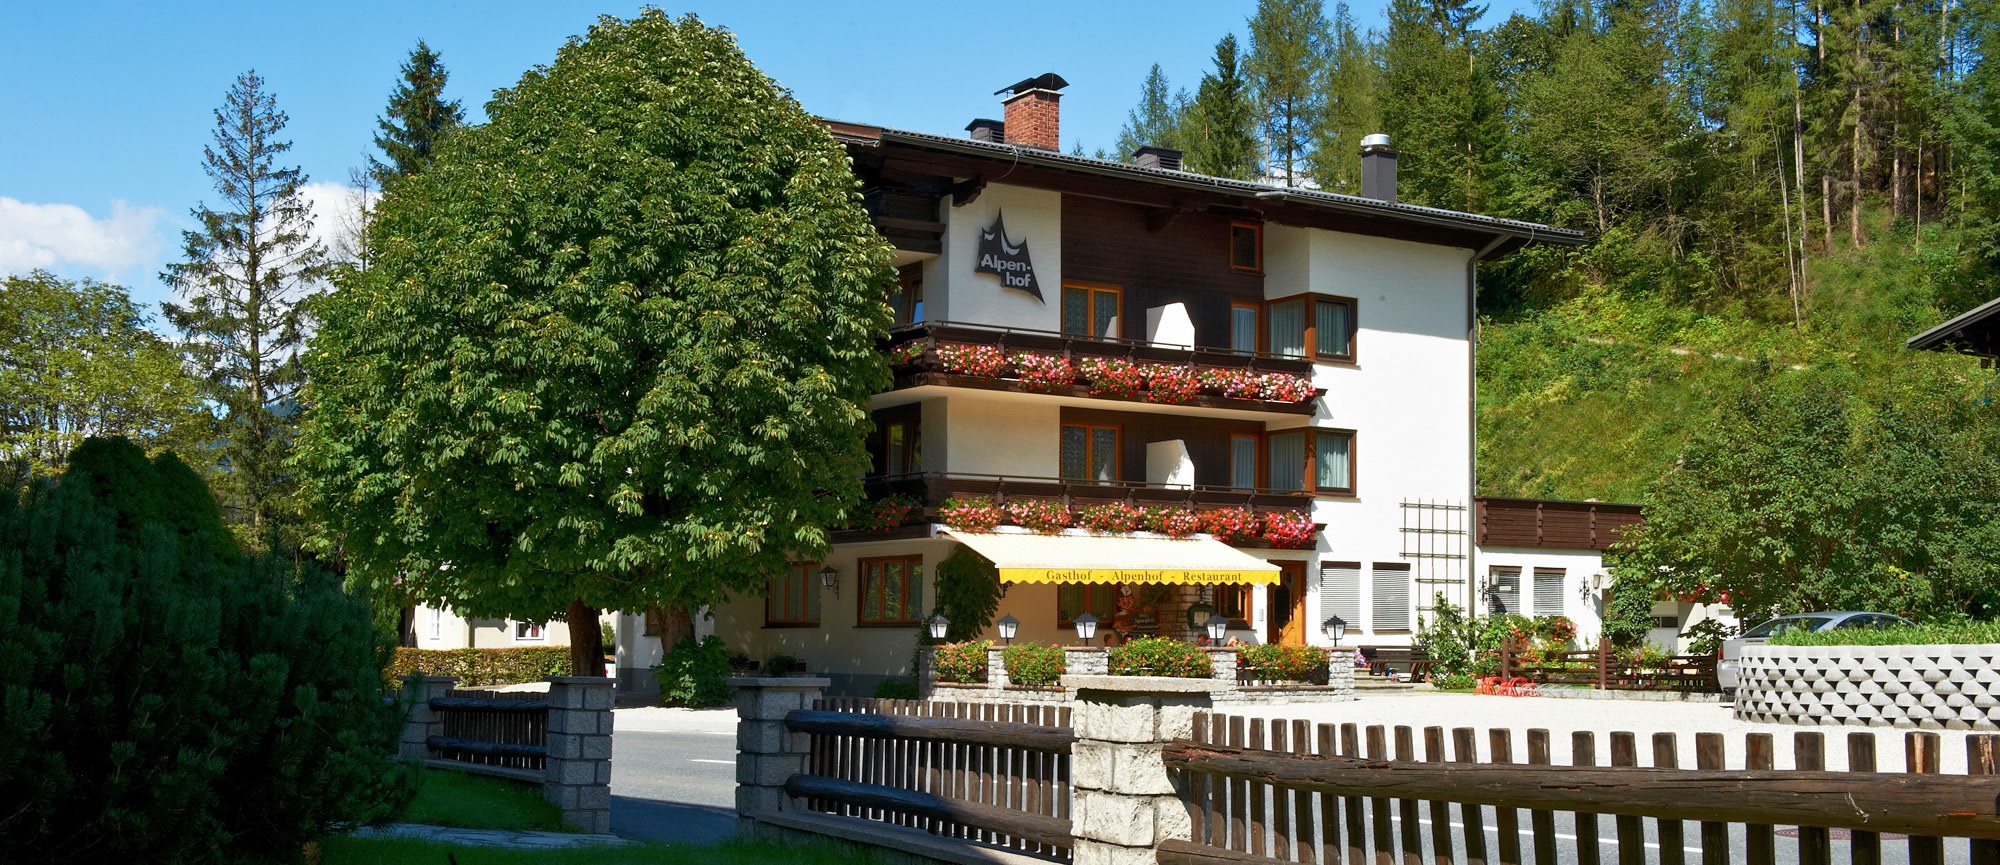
point(1404, 661)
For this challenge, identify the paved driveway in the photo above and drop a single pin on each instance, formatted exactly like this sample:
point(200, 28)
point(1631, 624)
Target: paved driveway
point(673, 775)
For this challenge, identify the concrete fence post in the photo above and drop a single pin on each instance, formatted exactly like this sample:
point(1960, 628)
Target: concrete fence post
point(996, 669)
point(423, 722)
point(576, 777)
point(1124, 802)
point(767, 753)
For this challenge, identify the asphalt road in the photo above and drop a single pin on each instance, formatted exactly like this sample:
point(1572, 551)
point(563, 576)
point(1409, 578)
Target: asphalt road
point(674, 786)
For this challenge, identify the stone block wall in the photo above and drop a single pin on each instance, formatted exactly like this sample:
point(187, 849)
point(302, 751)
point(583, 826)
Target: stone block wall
point(1930, 687)
point(576, 775)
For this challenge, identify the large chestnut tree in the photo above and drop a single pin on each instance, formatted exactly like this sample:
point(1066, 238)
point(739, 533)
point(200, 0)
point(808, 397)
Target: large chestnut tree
point(614, 350)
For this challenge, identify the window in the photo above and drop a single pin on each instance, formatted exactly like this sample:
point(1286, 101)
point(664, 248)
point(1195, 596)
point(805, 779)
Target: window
point(1286, 320)
point(891, 590)
point(908, 297)
point(902, 446)
point(1243, 326)
point(792, 600)
point(437, 623)
point(1318, 326)
point(1333, 461)
point(1243, 461)
point(1089, 453)
point(528, 632)
point(1392, 596)
point(1233, 603)
point(1096, 599)
point(1333, 328)
point(1504, 590)
point(1090, 310)
point(654, 627)
point(1340, 592)
point(1548, 591)
point(1246, 246)
point(1285, 466)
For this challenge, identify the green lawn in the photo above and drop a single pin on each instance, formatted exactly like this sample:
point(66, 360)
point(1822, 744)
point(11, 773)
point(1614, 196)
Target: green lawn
point(474, 802)
point(350, 851)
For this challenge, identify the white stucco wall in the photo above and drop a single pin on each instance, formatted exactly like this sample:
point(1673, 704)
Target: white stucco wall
point(954, 292)
point(1583, 606)
point(441, 628)
point(997, 433)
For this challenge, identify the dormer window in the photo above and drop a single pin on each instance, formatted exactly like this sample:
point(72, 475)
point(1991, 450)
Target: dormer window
point(1246, 246)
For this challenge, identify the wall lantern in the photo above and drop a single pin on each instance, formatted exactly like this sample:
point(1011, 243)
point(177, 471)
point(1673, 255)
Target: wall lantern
point(1009, 626)
point(830, 579)
point(1217, 627)
point(1336, 628)
point(1086, 627)
point(939, 624)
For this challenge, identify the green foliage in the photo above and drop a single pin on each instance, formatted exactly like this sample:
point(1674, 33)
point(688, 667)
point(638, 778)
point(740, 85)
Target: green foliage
point(77, 360)
point(1160, 656)
point(961, 663)
point(1034, 666)
point(1821, 492)
point(1706, 636)
point(616, 344)
point(1282, 663)
point(166, 697)
point(448, 798)
point(1353, 81)
point(896, 689)
point(1158, 119)
point(418, 118)
point(246, 270)
point(968, 593)
point(1962, 632)
point(1628, 618)
point(694, 675)
point(1452, 681)
point(1449, 637)
point(476, 668)
point(778, 665)
point(1219, 129)
point(1285, 64)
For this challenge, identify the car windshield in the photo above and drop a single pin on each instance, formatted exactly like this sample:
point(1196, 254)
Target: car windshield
point(1786, 625)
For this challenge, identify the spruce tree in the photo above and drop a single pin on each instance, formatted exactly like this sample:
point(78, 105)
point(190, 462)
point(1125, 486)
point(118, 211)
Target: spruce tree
point(419, 117)
point(1286, 65)
point(1221, 129)
point(246, 273)
point(1156, 120)
point(1445, 120)
point(1350, 110)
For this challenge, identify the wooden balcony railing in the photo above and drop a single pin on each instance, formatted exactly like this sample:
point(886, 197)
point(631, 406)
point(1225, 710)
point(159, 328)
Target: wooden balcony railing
point(913, 349)
point(931, 489)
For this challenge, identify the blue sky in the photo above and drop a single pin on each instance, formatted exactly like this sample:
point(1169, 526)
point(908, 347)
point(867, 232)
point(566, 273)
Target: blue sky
point(107, 107)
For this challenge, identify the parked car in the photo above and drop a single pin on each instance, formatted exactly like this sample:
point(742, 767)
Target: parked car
point(1732, 650)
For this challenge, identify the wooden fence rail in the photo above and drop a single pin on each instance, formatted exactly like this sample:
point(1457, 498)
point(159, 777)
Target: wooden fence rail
point(1274, 791)
point(509, 729)
point(991, 774)
point(1602, 668)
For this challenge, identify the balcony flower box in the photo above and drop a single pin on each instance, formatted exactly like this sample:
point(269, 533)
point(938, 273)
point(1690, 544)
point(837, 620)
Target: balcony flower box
point(1114, 518)
point(1231, 525)
point(1172, 385)
point(976, 514)
point(981, 360)
point(1110, 376)
point(1038, 515)
point(1289, 530)
point(1044, 373)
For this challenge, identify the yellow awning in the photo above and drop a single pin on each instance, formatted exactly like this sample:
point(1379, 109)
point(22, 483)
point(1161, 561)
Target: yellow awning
point(1031, 558)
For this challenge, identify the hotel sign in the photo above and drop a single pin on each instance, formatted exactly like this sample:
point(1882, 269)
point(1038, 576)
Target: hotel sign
point(1009, 261)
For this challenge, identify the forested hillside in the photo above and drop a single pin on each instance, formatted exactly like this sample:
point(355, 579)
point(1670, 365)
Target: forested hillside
point(1773, 190)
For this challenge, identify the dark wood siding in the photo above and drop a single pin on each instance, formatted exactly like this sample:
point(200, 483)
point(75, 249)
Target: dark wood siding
point(1207, 439)
point(1185, 262)
point(1554, 524)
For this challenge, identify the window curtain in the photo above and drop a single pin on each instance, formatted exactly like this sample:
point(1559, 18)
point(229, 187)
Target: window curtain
point(1288, 328)
point(1334, 467)
point(1330, 325)
point(1288, 462)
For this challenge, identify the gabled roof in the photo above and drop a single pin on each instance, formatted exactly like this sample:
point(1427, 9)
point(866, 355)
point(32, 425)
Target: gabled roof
point(1976, 331)
point(1519, 231)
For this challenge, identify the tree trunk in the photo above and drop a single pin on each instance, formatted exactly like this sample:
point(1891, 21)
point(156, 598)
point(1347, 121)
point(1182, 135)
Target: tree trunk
point(586, 640)
point(675, 624)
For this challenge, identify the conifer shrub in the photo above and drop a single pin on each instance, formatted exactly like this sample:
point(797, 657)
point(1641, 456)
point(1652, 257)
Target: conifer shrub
point(695, 675)
point(167, 697)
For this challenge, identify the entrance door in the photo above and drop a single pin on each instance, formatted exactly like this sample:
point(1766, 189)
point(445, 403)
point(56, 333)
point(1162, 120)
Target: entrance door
point(1285, 604)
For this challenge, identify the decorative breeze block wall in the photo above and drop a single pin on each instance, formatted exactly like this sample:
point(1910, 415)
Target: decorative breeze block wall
point(1931, 687)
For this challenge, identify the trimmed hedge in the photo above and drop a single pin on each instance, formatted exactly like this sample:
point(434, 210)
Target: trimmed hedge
point(1938, 634)
point(1034, 666)
point(477, 668)
point(1282, 663)
point(1160, 656)
point(962, 663)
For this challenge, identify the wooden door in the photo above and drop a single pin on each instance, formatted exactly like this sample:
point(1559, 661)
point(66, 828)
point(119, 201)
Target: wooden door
point(1285, 606)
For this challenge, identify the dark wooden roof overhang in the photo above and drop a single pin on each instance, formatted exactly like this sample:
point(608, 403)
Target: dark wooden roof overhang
point(1975, 332)
point(960, 169)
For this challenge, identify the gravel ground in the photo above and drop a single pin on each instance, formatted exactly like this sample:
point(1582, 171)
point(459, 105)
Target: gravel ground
point(1562, 717)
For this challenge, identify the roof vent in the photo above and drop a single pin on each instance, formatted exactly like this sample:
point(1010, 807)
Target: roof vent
point(986, 129)
point(1163, 158)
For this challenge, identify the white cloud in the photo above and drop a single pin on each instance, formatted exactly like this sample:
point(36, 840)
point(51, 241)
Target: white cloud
point(65, 236)
point(336, 209)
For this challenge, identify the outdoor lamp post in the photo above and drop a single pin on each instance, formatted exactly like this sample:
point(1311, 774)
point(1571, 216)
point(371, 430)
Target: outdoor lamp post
point(1009, 626)
point(1086, 627)
point(1336, 628)
point(1217, 627)
point(938, 625)
point(830, 579)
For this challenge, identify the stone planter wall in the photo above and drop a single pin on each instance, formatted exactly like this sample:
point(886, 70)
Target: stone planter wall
point(1093, 661)
point(1932, 687)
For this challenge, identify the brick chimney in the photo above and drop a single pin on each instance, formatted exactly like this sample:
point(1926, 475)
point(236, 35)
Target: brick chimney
point(1034, 111)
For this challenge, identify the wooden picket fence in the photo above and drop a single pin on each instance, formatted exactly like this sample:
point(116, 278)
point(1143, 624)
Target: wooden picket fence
point(1291, 792)
point(507, 729)
point(990, 774)
point(1600, 668)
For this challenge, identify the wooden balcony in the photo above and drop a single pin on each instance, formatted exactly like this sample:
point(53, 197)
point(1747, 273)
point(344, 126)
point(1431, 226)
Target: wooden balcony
point(930, 490)
point(913, 350)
